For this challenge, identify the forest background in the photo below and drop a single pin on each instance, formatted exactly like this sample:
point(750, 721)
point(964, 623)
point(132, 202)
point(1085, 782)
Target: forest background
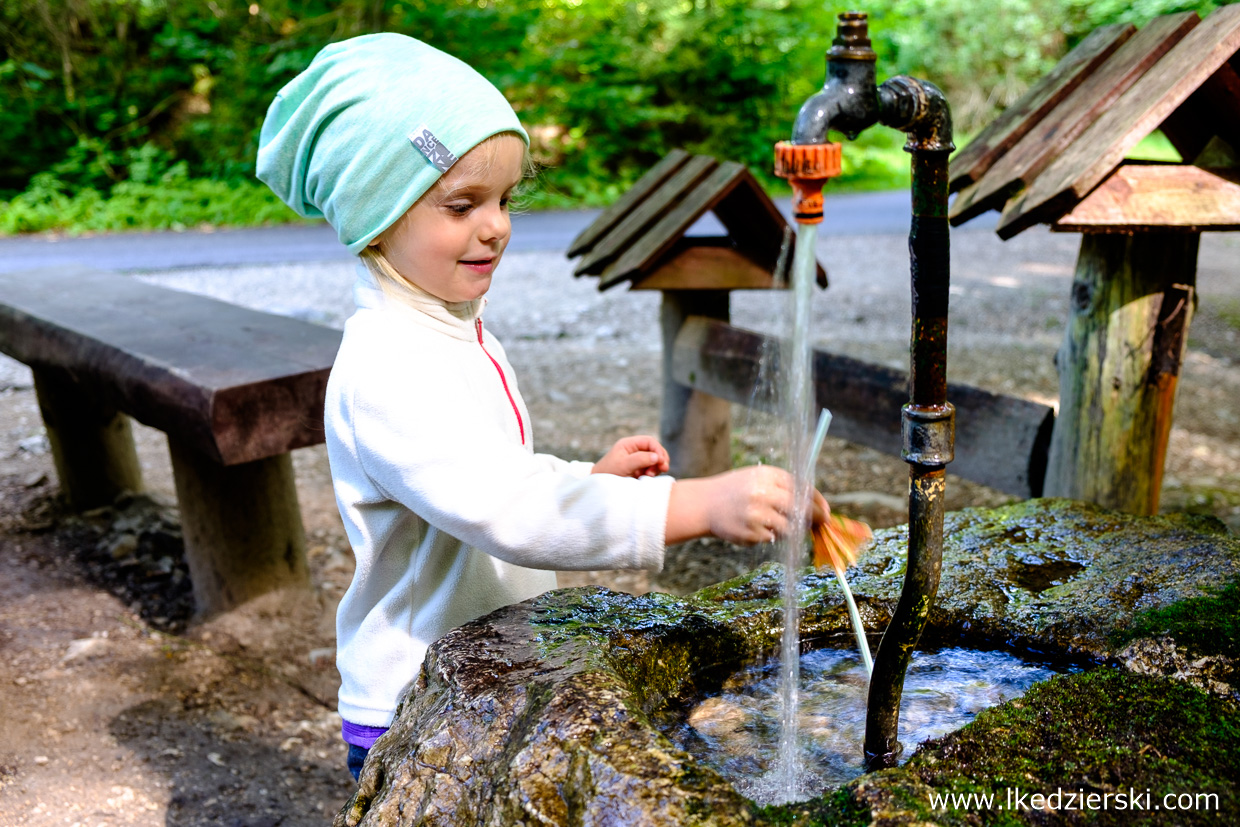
point(119, 114)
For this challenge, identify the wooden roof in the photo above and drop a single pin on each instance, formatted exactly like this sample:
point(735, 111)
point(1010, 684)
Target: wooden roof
point(644, 230)
point(1068, 136)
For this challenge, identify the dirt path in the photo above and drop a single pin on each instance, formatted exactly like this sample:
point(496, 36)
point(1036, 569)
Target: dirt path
point(119, 712)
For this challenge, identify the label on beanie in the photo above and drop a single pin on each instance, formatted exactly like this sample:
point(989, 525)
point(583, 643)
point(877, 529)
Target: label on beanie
point(430, 146)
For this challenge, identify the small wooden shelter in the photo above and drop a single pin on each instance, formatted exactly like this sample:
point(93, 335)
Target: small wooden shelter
point(642, 239)
point(1057, 156)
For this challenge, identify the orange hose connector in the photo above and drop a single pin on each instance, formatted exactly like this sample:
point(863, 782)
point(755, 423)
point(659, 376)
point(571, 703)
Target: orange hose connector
point(807, 167)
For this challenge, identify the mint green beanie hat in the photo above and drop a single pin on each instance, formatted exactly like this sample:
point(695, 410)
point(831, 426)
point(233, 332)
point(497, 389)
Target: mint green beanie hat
point(371, 125)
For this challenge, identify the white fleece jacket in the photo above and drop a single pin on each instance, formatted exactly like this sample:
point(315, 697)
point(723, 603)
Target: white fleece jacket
point(449, 511)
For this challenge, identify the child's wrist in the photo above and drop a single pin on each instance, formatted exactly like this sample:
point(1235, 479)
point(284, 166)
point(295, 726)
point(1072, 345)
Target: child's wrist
point(688, 511)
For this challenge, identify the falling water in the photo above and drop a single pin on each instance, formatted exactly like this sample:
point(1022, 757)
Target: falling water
point(786, 780)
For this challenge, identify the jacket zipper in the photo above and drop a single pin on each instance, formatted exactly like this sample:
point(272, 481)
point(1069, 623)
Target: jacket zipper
point(503, 379)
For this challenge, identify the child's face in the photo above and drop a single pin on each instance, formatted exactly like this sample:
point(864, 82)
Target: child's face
point(451, 240)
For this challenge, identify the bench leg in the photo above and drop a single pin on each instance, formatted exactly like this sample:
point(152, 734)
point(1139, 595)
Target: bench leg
point(92, 443)
point(695, 427)
point(242, 527)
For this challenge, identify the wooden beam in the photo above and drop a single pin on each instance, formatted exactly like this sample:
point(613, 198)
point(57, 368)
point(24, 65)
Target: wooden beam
point(710, 266)
point(1001, 441)
point(1159, 196)
point(1132, 301)
point(975, 159)
point(695, 427)
point(1101, 148)
point(1056, 132)
point(610, 217)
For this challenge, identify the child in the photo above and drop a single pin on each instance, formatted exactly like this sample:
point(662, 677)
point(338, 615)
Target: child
point(412, 156)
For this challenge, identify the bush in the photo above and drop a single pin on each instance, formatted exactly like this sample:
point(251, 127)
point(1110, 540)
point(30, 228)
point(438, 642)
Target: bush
point(173, 202)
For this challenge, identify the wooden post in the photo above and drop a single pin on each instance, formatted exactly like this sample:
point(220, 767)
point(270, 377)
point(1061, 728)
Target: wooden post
point(242, 527)
point(1132, 301)
point(695, 427)
point(92, 442)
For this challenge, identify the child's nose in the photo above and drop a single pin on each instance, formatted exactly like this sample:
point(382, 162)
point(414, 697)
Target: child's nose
point(496, 226)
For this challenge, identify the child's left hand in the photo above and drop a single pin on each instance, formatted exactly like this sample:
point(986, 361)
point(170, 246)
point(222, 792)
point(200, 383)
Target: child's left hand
point(634, 456)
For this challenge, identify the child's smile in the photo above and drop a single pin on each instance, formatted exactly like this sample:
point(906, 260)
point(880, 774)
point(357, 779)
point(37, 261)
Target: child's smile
point(450, 242)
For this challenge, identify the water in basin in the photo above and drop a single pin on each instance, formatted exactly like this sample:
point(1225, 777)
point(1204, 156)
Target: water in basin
point(737, 731)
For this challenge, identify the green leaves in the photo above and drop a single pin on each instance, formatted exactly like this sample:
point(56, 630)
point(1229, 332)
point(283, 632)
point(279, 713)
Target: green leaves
point(100, 92)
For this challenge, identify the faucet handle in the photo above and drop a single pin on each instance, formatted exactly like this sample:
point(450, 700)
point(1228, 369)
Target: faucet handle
point(852, 38)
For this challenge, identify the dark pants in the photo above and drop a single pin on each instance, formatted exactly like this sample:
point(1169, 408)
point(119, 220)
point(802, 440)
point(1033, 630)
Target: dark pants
point(357, 757)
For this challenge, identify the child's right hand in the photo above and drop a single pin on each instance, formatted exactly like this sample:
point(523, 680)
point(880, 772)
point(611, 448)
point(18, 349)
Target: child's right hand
point(746, 506)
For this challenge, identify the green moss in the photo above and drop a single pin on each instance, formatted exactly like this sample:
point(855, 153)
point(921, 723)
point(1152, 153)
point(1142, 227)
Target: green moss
point(1208, 625)
point(1100, 732)
point(665, 649)
point(837, 809)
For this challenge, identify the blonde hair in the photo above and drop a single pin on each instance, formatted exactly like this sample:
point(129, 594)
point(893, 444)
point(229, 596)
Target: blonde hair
point(391, 281)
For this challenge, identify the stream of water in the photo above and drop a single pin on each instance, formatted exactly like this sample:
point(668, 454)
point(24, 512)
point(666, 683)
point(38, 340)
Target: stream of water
point(738, 731)
point(789, 775)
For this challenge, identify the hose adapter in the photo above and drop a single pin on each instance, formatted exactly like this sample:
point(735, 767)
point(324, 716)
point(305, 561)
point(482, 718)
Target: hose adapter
point(807, 167)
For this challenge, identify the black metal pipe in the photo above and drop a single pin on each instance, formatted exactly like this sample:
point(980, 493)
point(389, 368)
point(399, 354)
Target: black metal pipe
point(850, 102)
point(928, 428)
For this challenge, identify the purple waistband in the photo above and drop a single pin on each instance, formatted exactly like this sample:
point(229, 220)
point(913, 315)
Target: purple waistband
point(361, 736)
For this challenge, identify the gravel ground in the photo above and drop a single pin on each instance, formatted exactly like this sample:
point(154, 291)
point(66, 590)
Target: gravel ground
point(117, 713)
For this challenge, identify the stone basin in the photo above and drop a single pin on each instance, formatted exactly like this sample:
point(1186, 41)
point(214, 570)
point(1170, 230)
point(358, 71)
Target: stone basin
point(550, 711)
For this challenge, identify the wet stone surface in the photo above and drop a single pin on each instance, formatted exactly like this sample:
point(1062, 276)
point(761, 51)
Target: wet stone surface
point(551, 711)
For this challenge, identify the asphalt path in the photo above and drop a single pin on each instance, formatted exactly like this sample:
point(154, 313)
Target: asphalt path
point(881, 213)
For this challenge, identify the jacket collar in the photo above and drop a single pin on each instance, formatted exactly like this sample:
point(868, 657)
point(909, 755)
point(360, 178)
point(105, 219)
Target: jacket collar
point(457, 319)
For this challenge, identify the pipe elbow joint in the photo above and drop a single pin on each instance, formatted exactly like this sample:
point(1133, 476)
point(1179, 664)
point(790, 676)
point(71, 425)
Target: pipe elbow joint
point(919, 109)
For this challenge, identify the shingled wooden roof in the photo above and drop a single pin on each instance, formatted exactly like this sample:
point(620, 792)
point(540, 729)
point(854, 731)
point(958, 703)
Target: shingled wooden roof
point(1059, 151)
point(641, 237)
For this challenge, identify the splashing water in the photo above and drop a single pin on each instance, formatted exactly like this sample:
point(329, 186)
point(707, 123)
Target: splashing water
point(944, 690)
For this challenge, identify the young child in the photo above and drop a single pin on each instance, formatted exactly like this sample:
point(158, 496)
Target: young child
point(412, 156)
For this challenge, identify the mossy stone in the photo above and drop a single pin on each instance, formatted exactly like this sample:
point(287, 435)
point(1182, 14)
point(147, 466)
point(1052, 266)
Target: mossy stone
point(547, 712)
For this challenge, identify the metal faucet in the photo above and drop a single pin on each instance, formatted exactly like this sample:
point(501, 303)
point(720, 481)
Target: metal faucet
point(850, 102)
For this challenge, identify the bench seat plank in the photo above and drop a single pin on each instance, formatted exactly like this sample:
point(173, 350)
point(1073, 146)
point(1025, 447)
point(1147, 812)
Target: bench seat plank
point(236, 384)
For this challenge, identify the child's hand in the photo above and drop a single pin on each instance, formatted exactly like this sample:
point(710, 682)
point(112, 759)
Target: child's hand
point(747, 506)
point(634, 456)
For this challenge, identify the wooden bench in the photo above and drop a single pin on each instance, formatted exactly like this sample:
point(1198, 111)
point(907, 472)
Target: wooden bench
point(234, 390)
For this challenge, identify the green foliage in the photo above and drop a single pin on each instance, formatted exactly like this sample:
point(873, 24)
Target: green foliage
point(99, 93)
point(171, 201)
point(1155, 147)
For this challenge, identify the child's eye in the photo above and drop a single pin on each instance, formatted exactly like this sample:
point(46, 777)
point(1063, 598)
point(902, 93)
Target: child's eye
point(458, 209)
